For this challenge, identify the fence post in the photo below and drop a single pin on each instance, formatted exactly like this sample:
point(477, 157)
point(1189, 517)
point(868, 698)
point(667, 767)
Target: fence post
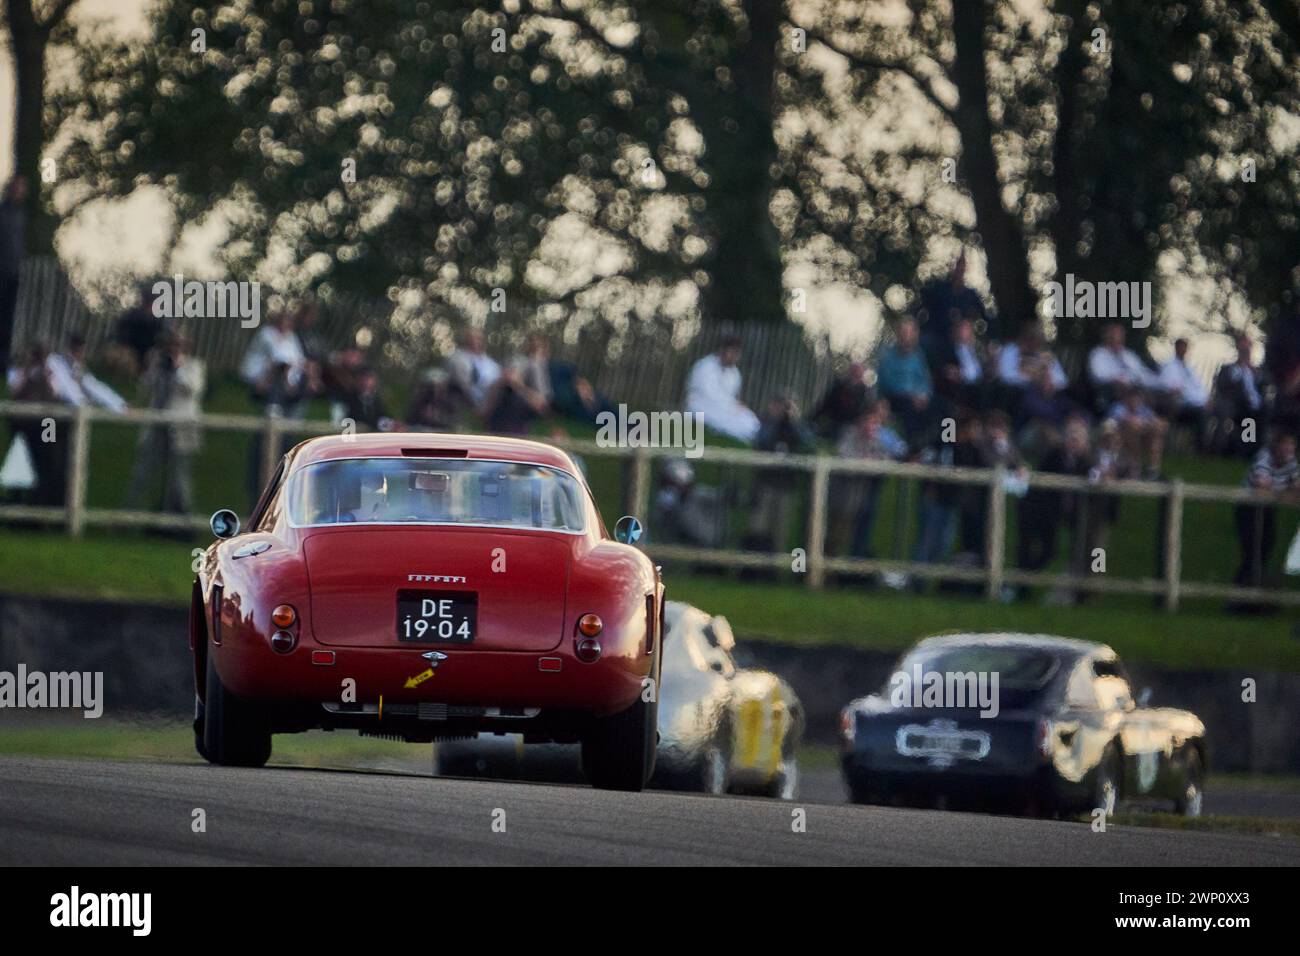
point(78, 463)
point(995, 532)
point(270, 447)
point(1173, 544)
point(817, 521)
point(638, 496)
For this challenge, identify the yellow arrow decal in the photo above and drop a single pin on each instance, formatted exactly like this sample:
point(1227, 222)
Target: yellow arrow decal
point(419, 679)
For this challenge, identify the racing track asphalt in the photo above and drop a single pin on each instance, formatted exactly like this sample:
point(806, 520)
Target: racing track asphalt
point(81, 812)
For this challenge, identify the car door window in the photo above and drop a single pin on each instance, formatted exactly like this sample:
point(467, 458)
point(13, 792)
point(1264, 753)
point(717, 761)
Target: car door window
point(1111, 685)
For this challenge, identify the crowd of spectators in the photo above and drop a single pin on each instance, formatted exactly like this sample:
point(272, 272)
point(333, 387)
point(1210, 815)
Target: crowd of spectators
point(947, 392)
point(944, 391)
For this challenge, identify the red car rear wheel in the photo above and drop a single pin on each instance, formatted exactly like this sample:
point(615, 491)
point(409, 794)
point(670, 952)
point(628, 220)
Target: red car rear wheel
point(235, 731)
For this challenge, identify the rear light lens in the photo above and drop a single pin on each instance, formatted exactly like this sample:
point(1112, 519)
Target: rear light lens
point(588, 650)
point(589, 625)
point(848, 726)
point(282, 642)
point(284, 616)
point(1043, 740)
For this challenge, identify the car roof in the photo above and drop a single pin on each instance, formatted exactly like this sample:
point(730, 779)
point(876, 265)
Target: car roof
point(430, 444)
point(1045, 642)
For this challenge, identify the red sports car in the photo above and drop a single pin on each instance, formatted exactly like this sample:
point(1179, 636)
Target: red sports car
point(425, 587)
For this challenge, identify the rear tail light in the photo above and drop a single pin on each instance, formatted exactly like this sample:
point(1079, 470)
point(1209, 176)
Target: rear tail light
point(284, 616)
point(589, 625)
point(588, 650)
point(1043, 740)
point(282, 642)
point(848, 726)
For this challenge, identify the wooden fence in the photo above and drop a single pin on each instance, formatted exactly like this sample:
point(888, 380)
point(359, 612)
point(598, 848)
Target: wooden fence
point(993, 575)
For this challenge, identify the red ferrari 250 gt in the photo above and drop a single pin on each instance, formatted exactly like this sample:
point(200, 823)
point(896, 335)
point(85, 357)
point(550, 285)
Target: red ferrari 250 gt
point(426, 587)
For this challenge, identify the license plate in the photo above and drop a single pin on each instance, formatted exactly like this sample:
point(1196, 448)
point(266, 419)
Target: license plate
point(437, 617)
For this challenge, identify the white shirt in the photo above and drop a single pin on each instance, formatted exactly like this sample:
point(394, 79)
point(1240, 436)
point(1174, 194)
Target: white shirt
point(712, 390)
point(272, 347)
point(711, 384)
point(1122, 368)
point(1009, 368)
point(1176, 377)
point(73, 383)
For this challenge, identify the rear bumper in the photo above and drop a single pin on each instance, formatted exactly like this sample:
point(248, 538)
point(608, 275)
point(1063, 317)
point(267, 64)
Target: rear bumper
point(317, 674)
point(965, 782)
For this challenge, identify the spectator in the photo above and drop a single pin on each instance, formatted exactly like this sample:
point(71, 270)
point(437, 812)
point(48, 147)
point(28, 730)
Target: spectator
point(366, 407)
point(990, 447)
point(687, 512)
point(573, 395)
point(1042, 412)
point(276, 367)
point(1273, 475)
point(1238, 396)
point(1182, 397)
point(75, 384)
point(1141, 430)
point(713, 390)
point(1020, 361)
point(137, 331)
point(957, 369)
point(938, 502)
point(433, 409)
point(522, 393)
point(944, 302)
point(903, 378)
point(775, 489)
point(173, 381)
point(473, 371)
point(1042, 510)
point(13, 229)
point(29, 381)
point(853, 498)
point(844, 403)
point(1112, 367)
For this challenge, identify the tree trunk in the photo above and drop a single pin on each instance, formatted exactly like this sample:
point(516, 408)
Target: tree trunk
point(1000, 231)
point(745, 265)
point(29, 39)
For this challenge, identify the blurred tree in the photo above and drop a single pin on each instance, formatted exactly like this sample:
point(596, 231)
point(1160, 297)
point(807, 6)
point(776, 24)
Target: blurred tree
point(1110, 133)
point(636, 158)
point(482, 143)
point(31, 26)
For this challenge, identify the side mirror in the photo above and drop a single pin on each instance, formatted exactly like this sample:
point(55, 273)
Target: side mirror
point(628, 530)
point(224, 523)
point(1144, 697)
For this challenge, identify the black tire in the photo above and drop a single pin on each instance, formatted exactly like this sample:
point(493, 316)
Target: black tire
point(618, 752)
point(1190, 803)
point(235, 731)
point(198, 727)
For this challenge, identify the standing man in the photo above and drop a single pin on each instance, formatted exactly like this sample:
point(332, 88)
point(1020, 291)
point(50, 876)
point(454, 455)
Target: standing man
point(13, 229)
point(173, 382)
point(1273, 475)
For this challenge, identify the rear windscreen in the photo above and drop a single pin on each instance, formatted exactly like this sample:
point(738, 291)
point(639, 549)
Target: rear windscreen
point(434, 491)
